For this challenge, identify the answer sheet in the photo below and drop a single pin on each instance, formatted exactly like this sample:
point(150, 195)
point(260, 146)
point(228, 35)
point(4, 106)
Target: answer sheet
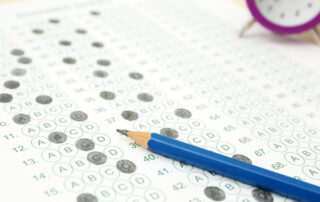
point(72, 72)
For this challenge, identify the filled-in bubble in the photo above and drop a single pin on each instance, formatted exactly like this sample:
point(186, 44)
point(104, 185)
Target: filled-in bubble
point(215, 193)
point(17, 52)
point(24, 60)
point(5, 98)
point(85, 144)
point(135, 75)
point(43, 99)
point(69, 60)
point(169, 132)
point(57, 137)
point(18, 72)
point(54, 21)
point(97, 158)
point(11, 84)
point(87, 197)
point(37, 31)
point(262, 195)
point(21, 119)
point(242, 158)
point(96, 13)
point(183, 113)
point(103, 62)
point(81, 31)
point(126, 166)
point(145, 97)
point(78, 116)
point(107, 95)
point(65, 43)
point(129, 115)
point(100, 73)
point(97, 44)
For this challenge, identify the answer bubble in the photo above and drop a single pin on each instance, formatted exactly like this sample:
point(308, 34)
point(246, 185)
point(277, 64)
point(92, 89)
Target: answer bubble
point(21, 119)
point(37, 31)
point(78, 116)
point(87, 197)
point(43, 99)
point(68, 150)
point(140, 181)
point(145, 97)
point(40, 142)
point(109, 172)
point(198, 178)
point(18, 72)
point(30, 130)
point(62, 169)
point(69, 60)
point(63, 120)
point(226, 148)
point(107, 95)
point(136, 75)
point(129, 115)
point(100, 73)
point(11, 84)
point(106, 193)
point(154, 195)
point(94, 13)
point(101, 139)
point(197, 140)
point(51, 155)
point(92, 178)
point(122, 187)
point(231, 187)
point(65, 43)
point(242, 158)
point(12, 108)
point(89, 127)
point(210, 135)
point(183, 128)
point(73, 132)
point(54, 21)
point(17, 52)
point(215, 193)
point(181, 166)
point(103, 62)
point(97, 44)
point(24, 60)
point(47, 125)
point(5, 98)
point(85, 144)
point(57, 137)
point(74, 184)
point(169, 132)
point(79, 163)
point(262, 195)
point(81, 31)
point(183, 113)
point(126, 166)
point(97, 158)
point(113, 152)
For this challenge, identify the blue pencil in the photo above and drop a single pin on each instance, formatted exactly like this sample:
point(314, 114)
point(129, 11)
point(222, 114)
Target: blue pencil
point(229, 167)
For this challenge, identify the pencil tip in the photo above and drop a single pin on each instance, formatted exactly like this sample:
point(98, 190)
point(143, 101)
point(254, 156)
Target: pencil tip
point(123, 132)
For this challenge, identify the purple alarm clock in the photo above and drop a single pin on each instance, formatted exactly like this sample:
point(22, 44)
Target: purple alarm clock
point(285, 16)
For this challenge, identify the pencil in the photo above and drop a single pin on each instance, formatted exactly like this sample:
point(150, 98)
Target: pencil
point(226, 166)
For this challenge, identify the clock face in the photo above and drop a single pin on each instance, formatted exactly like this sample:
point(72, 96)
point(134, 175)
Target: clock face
point(286, 16)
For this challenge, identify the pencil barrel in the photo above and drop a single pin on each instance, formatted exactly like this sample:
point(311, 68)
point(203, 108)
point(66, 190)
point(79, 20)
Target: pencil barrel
point(235, 169)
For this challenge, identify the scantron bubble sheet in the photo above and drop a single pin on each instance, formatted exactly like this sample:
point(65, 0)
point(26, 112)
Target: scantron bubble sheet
point(72, 72)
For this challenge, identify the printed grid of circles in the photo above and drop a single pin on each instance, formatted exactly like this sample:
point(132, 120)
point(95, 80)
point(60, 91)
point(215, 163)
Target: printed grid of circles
point(231, 99)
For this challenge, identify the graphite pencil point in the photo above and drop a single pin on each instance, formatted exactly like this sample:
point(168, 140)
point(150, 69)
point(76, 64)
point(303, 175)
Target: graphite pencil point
point(123, 132)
